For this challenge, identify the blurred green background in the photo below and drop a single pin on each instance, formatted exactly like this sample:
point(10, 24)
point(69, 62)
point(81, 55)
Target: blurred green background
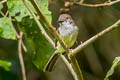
point(95, 60)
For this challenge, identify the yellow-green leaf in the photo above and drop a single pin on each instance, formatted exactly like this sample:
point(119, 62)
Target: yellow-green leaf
point(116, 62)
point(6, 29)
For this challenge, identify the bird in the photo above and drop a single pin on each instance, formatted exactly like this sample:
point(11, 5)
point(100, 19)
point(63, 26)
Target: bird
point(68, 32)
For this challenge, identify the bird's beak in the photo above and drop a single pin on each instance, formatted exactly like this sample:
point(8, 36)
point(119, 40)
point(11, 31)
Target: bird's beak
point(59, 21)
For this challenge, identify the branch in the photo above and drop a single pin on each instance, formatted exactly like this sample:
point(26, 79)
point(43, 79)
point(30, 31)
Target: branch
point(94, 38)
point(97, 5)
point(3, 1)
point(39, 25)
point(69, 66)
point(20, 56)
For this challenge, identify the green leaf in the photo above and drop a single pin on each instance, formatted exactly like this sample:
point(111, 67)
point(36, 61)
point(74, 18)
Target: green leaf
point(5, 65)
point(41, 47)
point(116, 62)
point(44, 7)
point(1, 6)
point(6, 29)
point(17, 9)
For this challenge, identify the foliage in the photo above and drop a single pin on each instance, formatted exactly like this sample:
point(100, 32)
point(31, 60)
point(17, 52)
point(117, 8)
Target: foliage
point(1, 6)
point(18, 10)
point(116, 63)
point(6, 29)
point(41, 47)
point(5, 64)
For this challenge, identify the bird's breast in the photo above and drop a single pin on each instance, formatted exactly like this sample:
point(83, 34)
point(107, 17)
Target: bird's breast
point(65, 29)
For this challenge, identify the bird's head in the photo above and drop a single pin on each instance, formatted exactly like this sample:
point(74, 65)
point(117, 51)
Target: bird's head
point(65, 17)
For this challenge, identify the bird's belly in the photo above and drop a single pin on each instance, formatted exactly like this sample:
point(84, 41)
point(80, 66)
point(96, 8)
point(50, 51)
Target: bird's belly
point(68, 40)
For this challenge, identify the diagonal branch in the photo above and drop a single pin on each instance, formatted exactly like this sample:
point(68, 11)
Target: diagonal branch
point(20, 56)
point(3, 1)
point(39, 25)
point(49, 26)
point(94, 38)
point(97, 5)
point(69, 66)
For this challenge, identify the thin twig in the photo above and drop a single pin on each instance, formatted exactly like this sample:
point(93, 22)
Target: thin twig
point(20, 56)
point(97, 5)
point(91, 40)
point(69, 66)
point(2, 13)
point(24, 47)
point(3, 1)
point(39, 25)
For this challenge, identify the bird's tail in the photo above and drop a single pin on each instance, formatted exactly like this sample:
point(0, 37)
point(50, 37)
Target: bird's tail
point(52, 62)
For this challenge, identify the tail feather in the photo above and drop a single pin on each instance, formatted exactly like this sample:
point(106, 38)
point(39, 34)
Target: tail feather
point(51, 63)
